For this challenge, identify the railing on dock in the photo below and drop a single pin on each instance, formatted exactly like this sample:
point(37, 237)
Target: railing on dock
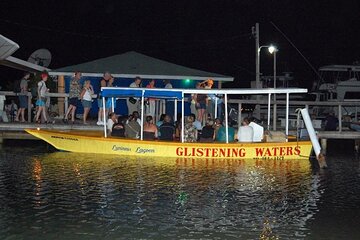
point(63, 99)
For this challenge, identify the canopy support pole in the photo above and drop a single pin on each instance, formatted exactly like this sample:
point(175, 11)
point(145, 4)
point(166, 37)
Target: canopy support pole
point(175, 110)
point(216, 107)
point(287, 115)
point(142, 116)
point(182, 117)
point(226, 120)
point(104, 116)
point(269, 108)
point(112, 105)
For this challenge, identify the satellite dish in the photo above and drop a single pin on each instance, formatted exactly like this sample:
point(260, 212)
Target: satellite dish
point(41, 57)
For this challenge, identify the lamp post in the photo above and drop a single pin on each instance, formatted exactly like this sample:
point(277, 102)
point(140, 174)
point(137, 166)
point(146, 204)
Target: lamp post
point(273, 50)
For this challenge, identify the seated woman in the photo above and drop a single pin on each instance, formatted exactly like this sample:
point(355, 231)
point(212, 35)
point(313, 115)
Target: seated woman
point(132, 128)
point(118, 129)
point(245, 132)
point(190, 131)
point(221, 134)
point(208, 132)
point(150, 129)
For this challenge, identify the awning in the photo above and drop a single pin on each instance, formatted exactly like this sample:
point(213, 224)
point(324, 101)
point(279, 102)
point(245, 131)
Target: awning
point(163, 94)
point(124, 92)
point(136, 92)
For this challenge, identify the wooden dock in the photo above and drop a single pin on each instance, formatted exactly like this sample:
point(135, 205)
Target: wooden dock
point(16, 130)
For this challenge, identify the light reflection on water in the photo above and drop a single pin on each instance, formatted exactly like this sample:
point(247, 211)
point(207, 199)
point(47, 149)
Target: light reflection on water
point(83, 196)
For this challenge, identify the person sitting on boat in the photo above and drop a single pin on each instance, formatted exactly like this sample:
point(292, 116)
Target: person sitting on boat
point(150, 129)
point(258, 130)
point(161, 121)
point(208, 132)
point(137, 116)
point(132, 103)
point(190, 131)
point(217, 125)
point(167, 129)
point(196, 123)
point(221, 134)
point(118, 129)
point(245, 132)
point(111, 121)
point(132, 128)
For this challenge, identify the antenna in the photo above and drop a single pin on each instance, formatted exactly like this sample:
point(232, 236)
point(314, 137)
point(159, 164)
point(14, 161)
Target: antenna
point(41, 57)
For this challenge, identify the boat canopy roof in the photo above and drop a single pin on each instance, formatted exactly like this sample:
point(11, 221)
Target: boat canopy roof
point(139, 92)
point(340, 68)
point(178, 93)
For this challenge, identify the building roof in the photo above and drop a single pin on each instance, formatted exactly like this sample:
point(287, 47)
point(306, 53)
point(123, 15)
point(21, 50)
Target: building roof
point(132, 64)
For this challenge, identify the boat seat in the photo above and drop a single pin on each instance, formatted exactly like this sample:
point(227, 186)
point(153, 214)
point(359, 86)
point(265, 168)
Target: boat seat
point(275, 136)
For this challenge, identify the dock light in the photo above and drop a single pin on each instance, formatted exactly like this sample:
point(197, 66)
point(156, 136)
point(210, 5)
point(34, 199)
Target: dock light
point(272, 49)
point(38, 128)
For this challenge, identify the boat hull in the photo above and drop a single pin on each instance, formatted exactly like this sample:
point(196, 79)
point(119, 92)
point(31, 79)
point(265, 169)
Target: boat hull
point(92, 143)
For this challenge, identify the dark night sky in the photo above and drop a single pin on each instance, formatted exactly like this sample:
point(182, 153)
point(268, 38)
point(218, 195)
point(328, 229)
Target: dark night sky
point(209, 35)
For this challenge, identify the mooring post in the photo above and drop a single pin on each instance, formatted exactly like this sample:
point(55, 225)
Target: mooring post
point(357, 145)
point(323, 143)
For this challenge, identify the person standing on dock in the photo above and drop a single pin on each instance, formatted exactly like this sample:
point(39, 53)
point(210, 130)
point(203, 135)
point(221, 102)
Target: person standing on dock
point(40, 103)
point(74, 96)
point(133, 104)
point(86, 99)
point(23, 99)
point(103, 83)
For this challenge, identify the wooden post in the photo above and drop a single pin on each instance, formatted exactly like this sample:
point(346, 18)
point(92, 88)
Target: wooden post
point(61, 89)
point(239, 114)
point(323, 142)
point(340, 118)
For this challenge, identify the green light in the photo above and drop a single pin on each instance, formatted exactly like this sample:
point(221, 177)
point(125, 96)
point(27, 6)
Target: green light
point(187, 80)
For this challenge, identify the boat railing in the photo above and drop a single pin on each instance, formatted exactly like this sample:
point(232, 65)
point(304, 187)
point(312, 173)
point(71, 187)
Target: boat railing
point(300, 104)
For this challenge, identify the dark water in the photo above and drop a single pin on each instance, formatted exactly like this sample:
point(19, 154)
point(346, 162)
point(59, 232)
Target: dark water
point(57, 195)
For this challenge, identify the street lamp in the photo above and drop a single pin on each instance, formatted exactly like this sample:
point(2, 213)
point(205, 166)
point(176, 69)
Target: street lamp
point(272, 50)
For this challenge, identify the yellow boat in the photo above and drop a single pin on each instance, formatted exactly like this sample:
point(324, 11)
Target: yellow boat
point(85, 142)
point(96, 142)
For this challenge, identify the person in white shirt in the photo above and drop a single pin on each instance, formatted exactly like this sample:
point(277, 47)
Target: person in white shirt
point(111, 121)
point(133, 104)
point(258, 131)
point(86, 99)
point(245, 132)
point(40, 103)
